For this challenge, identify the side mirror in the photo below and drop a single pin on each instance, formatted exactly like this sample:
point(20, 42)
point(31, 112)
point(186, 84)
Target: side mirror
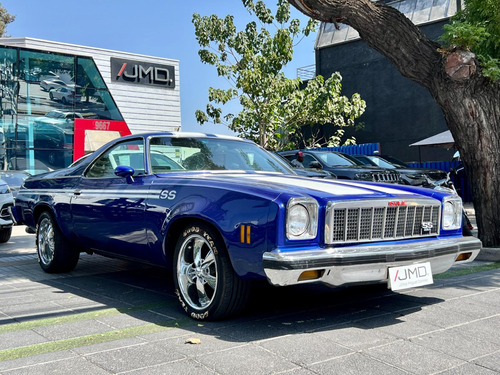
point(125, 172)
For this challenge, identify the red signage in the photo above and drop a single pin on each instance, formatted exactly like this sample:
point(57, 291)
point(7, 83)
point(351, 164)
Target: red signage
point(81, 125)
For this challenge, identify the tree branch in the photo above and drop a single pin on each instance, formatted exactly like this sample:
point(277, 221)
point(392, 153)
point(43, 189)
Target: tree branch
point(384, 29)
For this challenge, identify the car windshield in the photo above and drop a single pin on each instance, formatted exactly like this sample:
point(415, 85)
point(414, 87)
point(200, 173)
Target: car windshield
point(332, 159)
point(353, 159)
point(381, 162)
point(170, 154)
point(395, 161)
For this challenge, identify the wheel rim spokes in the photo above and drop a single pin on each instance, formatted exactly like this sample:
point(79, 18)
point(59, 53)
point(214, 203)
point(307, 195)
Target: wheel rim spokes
point(197, 272)
point(46, 242)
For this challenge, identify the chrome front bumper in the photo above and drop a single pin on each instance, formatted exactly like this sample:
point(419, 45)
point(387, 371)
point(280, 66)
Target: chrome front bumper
point(366, 263)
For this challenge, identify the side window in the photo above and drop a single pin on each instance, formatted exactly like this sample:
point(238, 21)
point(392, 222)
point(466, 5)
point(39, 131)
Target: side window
point(308, 159)
point(130, 153)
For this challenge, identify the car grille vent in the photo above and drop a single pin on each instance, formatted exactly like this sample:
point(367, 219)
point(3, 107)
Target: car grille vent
point(5, 213)
point(386, 177)
point(375, 220)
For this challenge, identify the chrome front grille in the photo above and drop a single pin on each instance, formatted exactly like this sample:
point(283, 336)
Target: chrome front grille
point(392, 177)
point(376, 220)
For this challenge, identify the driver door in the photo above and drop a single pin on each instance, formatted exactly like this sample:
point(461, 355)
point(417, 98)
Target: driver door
point(107, 211)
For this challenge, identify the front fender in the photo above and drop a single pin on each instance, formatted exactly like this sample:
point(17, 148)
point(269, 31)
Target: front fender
point(245, 224)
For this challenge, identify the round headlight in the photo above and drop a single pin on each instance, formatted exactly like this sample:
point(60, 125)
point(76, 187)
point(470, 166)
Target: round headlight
point(298, 220)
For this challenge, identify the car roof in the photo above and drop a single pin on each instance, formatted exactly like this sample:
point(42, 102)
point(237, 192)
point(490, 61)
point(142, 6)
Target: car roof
point(184, 135)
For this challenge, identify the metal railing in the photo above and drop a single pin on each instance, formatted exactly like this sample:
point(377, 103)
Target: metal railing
point(306, 72)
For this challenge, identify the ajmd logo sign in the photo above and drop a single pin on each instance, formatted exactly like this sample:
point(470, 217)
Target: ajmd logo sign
point(142, 73)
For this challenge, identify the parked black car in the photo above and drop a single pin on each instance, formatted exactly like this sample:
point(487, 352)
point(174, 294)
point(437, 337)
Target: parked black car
point(409, 176)
point(343, 166)
point(403, 168)
point(314, 172)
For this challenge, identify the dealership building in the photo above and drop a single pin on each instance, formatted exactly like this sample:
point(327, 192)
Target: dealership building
point(59, 101)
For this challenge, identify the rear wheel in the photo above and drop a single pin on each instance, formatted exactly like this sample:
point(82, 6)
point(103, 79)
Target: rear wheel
point(205, 282)
point(52, 158)
point(55, 253)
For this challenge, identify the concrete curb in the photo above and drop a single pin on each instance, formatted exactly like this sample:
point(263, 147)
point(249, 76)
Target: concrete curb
point(491, 254)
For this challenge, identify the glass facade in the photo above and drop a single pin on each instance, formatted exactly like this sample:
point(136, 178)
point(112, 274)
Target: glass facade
point(42, 93)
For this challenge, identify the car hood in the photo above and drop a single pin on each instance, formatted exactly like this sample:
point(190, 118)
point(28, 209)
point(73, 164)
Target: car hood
point(360, 168)
point(410, 170)
point(272, 185)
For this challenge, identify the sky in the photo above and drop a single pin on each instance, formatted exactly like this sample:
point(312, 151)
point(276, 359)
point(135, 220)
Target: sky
point(161, 28)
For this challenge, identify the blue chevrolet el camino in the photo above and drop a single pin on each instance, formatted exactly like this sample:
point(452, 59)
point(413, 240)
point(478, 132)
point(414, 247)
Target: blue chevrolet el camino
point(221, 211)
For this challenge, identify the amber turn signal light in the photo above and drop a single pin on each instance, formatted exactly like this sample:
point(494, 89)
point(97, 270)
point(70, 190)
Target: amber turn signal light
point(463, 256)
point(311, 275)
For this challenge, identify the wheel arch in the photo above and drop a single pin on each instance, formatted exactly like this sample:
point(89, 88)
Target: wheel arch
point(41, 208)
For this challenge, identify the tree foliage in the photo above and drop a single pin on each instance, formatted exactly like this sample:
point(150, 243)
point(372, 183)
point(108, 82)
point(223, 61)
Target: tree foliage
point(274, 107)
point(477, 28)
point(5, 19)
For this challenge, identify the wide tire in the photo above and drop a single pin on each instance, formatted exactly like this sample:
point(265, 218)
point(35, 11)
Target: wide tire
point(55, 253)
point(205, 282)
point(5, 234)
point(465, 225)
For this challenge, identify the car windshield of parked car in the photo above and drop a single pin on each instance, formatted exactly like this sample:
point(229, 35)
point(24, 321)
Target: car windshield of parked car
point(398, 163)
point(193, 154)
point(380, 162)
point(355, 160)
point(332, 159)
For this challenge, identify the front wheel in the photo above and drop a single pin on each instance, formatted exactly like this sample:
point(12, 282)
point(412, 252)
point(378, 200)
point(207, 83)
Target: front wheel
point(55, 253)
point(466, 225)
point(205, 282)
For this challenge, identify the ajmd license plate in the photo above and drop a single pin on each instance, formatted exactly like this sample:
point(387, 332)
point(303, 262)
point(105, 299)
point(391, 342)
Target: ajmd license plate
point(405, 277)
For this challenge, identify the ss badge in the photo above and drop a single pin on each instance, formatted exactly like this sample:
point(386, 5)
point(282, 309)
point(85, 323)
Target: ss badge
point(427, 226)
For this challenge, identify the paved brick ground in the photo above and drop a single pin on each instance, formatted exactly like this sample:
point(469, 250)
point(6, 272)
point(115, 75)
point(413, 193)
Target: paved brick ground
point(115, 317)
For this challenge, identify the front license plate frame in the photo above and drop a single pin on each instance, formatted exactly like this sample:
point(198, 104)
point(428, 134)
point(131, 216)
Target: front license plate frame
point(412, 276)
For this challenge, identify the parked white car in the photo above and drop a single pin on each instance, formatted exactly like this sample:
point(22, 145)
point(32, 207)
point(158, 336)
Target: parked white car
point(50, 84)
point(48, 76)
point(65, 95)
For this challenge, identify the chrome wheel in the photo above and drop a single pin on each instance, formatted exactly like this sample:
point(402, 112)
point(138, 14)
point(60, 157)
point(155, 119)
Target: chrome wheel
point(46, 243)
point(197, 272)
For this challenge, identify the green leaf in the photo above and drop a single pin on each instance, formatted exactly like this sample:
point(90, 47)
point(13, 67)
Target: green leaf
point(274, 108)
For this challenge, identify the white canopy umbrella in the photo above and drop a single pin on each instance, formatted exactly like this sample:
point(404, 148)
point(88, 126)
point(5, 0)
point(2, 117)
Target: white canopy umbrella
point(444, 139)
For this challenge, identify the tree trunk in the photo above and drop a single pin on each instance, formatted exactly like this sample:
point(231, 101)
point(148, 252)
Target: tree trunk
point(470, 102)
point(472, 112)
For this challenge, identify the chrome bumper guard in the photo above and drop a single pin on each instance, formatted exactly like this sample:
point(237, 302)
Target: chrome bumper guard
point(365, 263)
